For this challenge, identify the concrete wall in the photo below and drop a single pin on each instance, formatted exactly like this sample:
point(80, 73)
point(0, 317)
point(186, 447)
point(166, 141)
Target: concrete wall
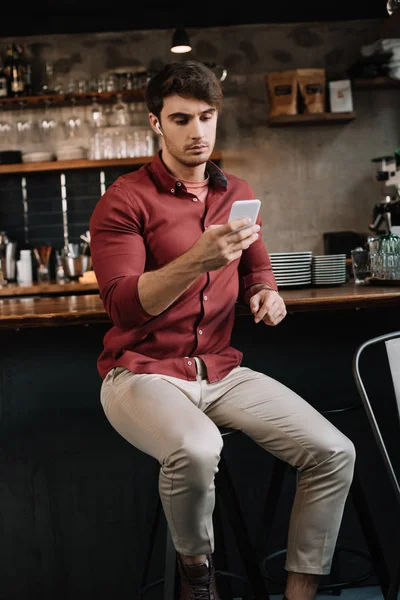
point(310, 179)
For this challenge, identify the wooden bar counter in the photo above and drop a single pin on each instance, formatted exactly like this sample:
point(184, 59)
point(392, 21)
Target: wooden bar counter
point(38, 311)
point(75, 496)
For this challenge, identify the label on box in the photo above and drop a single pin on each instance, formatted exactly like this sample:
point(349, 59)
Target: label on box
point(340, 96)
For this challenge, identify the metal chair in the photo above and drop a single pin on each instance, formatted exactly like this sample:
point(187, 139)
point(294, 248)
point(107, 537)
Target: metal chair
point(374, 556)
point(392, 343)
point(254, 583)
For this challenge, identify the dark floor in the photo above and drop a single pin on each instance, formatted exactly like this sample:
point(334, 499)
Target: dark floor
point(361, 593)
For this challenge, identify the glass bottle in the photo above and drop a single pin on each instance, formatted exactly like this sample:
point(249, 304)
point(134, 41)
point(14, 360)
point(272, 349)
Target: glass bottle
point(26, 70)
point(15, 71)
point(3, 81)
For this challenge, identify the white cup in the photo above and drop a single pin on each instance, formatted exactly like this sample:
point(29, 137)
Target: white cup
point(24, 268)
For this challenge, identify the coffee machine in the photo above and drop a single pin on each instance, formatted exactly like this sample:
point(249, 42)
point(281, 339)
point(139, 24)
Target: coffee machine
point(386, 213)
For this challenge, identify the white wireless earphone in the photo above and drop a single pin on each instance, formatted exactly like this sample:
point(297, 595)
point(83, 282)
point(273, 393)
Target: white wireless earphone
point(158, 128)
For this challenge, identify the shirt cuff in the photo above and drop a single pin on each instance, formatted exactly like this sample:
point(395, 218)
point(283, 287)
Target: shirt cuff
point(140, 311)
point(263, 277)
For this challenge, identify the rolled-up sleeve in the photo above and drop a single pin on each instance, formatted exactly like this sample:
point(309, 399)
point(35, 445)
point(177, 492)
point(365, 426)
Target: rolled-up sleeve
point(119, 256)
point(255, 266)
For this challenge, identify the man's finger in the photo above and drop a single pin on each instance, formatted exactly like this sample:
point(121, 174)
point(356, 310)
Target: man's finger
point(275, 318)
point(233, 226)
point(260, 314)
point(213, 226)
point(255, 303)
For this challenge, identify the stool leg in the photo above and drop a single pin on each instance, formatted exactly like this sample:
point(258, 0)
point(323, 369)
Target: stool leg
point(271, 503)
point(170, 571)
point(152, 539)
point(335, 574)
point(394, 585)
point(367, 525)
point(220, 555)
point(227, 492)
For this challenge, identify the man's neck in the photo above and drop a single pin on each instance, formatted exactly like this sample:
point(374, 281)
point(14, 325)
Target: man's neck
point(180, 171)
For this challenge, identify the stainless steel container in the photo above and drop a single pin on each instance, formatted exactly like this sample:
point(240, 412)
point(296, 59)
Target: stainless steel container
point(8, 262)
point(75, 266)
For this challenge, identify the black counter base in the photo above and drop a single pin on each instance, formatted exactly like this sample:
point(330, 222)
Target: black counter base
point(74, 495)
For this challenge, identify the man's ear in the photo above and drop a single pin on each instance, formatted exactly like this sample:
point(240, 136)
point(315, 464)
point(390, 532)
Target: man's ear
point(155, 124)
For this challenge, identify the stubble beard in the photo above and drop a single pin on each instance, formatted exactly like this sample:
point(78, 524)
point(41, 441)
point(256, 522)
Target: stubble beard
point(185, 160)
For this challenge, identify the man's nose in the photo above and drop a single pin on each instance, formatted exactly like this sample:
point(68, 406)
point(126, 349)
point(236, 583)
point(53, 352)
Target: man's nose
point(197, 130)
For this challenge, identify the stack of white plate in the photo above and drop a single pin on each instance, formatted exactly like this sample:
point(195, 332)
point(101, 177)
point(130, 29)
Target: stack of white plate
point(29, 157)
point(71, 153)
point(329, 269)
point(291, 268)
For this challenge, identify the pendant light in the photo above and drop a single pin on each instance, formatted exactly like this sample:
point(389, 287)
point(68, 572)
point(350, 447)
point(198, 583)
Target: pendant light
point(180, 41)
point(392, 6)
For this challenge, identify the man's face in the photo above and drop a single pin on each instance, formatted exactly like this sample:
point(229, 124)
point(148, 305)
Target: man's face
point(189, 128)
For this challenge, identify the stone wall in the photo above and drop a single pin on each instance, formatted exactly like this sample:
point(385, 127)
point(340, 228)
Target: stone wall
point(310, 179)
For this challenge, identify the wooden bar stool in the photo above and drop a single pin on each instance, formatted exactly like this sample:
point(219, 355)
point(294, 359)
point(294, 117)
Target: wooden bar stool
point(225, 500)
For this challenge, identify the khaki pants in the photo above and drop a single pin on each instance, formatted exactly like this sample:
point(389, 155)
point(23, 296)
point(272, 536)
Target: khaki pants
point(175, 421)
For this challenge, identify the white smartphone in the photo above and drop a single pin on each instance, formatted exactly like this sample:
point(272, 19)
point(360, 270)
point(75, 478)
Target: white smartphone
point(245, 208)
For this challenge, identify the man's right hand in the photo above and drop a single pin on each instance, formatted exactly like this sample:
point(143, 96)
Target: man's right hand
point(219, 245)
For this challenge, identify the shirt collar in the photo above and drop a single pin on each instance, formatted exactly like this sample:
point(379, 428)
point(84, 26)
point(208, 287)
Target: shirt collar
point(168, 183)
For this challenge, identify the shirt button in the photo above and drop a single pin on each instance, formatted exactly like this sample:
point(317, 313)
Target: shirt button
point(172, 191)
point(178, 183)
point(194, 199)
point(200, 331)
point(205, 297)
point(189, 363)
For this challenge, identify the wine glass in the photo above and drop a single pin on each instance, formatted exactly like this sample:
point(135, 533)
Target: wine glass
point(73, 122)
point(6, 130)
point(96, 114)
point(24, 127)
point(120, 114)
point(48, 126)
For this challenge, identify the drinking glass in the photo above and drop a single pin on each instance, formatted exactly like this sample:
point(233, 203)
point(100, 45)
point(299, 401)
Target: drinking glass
point(385, 258)
point(42, 256)
point(360, 259)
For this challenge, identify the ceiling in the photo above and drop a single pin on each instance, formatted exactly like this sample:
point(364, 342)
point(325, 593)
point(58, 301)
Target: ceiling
point(54, 16)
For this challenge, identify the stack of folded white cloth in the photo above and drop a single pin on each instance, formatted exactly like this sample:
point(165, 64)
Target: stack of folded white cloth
point(389, 47)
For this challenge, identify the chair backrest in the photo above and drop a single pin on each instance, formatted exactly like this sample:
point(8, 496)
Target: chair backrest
point(392, 343)
point(393, 351)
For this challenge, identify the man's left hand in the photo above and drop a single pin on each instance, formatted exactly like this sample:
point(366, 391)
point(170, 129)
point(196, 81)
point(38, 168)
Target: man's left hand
point(268, 306)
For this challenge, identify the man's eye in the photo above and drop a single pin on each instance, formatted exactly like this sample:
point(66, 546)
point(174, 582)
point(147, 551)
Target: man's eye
point(182, 122)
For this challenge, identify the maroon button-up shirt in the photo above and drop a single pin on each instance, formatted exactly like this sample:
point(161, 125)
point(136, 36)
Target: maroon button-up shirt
point(145, 220)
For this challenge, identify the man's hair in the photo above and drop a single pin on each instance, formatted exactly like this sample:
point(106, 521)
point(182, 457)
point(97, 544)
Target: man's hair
point(189, 79)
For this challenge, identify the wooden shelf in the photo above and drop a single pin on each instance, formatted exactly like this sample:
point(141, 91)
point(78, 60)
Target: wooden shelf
point(66, 99)
point(311, 119)
point(376, 83)
point(66, 165)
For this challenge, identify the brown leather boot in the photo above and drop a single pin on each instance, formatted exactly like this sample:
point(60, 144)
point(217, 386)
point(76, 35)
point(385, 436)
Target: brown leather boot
point(197, 582)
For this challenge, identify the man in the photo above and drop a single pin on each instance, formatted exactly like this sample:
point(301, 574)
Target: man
point(170, 269)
